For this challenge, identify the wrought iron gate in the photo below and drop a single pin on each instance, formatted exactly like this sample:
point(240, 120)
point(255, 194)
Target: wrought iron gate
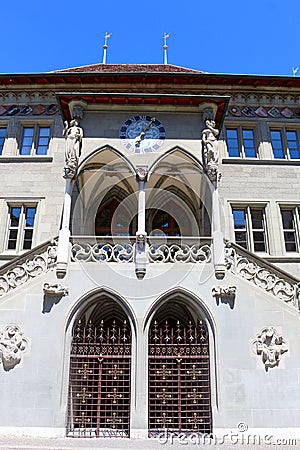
point(99, 395)
point(179, 379)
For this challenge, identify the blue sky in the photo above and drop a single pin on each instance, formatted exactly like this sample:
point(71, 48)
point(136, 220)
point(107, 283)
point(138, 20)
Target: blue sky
point(233, 36)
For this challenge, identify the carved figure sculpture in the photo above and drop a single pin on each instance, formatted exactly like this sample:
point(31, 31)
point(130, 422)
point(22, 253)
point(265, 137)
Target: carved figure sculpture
point(12, 345)
point(270, 345)
point(73, 134)
point(210, 149)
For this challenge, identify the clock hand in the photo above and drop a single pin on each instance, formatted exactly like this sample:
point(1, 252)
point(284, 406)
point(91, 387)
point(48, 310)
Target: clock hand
point(142, 134)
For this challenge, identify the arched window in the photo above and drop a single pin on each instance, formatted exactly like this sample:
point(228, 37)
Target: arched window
point(113, 219)
point(172, 220)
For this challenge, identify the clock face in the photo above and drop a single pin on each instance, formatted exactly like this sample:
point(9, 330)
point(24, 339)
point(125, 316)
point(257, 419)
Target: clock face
point(142, 134)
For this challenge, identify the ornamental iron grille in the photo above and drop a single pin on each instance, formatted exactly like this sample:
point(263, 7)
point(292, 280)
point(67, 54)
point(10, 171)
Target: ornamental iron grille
point(99, 392)
point(179, 378)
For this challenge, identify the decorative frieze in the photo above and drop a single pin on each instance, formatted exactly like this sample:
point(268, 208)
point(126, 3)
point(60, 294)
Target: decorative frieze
point(270, 345)
point(262, 275)
point(12, 346)
point(16, 274)
point(264, 112)
point(28, 110)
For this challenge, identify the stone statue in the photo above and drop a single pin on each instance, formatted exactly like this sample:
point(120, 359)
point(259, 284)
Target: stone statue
point(210, 149)
point(12, 345)
point(73, 134)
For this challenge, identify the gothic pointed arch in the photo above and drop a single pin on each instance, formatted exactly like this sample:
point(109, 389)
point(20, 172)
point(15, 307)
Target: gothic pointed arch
point(179, 372)
point(100, 369)
point(102, 172)
point(179, 202)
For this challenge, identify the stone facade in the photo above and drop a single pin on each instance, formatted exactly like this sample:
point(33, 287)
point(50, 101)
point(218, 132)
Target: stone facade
point(148, 238)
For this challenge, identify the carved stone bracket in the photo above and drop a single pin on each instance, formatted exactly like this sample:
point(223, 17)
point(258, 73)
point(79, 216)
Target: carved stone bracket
point(142, 173)
point(16, 274)
point(55, 290)
point(262, 276)
point(270, 345)
point(12, 345)
point(224, 291)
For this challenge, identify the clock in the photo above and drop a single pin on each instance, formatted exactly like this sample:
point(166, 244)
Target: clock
point(142, 134)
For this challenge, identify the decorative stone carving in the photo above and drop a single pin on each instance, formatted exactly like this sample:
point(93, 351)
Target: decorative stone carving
point(270, 345)
point(261, 276)
point(102, 252)
point(183, 253)
point(224, 291)
point(77, 112)
point(73, 134)
point(18, 273)
point(157, 253)
point(12, 345)
point(142, 173)
point(210, 150)
point(55, 290)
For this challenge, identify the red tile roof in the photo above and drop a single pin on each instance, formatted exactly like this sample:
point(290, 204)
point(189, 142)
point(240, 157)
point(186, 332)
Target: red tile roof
point(126, 68)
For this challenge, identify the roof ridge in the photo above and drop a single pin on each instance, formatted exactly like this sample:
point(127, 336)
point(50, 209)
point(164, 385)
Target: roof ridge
point(106, 68)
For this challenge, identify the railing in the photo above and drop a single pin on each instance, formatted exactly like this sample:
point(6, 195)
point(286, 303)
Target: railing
point(161, 249)
point(263, 274)
point(23, 268)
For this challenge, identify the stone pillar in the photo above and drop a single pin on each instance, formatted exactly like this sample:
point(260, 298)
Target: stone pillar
point(141, 245)
point(217, 235)
point(64, 233)
point(139, 415)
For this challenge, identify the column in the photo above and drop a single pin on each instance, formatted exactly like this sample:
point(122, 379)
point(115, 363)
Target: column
point(141, 245)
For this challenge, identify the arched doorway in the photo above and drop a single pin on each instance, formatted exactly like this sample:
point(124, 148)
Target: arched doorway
point(99, 384)
point(179, 372)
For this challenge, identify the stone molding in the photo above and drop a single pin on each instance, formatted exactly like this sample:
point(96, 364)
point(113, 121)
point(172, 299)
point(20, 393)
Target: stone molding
point(270, 345)
point(12, 345)
point(262, 274)
point(23, 269)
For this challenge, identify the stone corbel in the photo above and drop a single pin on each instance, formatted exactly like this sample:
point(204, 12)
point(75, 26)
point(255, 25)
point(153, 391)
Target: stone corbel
point(208, 110)
point(141, 257)
point(224, 291)
point(77, 108)
point(55, 290)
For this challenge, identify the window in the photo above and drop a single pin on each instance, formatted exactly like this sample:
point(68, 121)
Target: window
point(290, 223)
point(285, 144)
point(21, 225)
point(249, 228)
point(241, 143)
point(113, 219)
point(35, 140)
point(2, 139)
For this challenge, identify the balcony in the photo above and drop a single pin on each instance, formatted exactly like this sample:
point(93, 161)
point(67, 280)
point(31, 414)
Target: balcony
point(159, 249)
